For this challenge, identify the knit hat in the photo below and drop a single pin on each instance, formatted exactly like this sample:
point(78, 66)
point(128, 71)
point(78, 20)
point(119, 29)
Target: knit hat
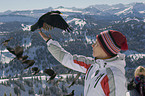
point(112, 42)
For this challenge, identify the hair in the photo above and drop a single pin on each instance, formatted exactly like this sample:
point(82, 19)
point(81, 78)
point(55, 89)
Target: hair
point(138, 70)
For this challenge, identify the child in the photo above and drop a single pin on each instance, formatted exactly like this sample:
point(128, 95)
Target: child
point(105, 75)
point(138, 82)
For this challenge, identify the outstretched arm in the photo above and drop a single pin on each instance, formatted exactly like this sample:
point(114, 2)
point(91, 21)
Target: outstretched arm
point(75, 62)
point(46, 38)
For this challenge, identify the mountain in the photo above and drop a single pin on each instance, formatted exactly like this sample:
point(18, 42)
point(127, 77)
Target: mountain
point(85, 22)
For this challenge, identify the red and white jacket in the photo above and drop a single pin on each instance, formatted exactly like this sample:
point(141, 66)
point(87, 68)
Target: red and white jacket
point(103, 77)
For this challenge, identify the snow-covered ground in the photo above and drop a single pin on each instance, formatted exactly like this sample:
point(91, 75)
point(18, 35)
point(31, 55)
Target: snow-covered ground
point(10, 89)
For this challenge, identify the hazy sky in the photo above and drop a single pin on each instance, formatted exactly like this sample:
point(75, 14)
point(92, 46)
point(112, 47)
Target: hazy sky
point(40, 4)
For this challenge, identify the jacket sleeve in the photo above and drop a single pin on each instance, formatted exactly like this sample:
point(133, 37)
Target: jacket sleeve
point(76, 62)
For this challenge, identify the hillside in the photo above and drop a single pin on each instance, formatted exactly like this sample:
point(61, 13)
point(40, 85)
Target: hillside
point(86, 23)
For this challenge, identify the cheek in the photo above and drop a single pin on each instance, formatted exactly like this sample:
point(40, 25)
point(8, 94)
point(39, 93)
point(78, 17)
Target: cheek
point(96, 51)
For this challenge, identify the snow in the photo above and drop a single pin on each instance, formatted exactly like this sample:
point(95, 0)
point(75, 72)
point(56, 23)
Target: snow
point(1, 23)
point(144, 20)
point(89, 41)
point(136, 56)
point(26, 27)
point(77, 21)
point(10, 89)
point(127, 10)
point(142, 11)
point(31, 12)
point(26, 42)
point(4, 32)
point(6, 56)
point(67, 10)
point(71, 39)
point(128, 19)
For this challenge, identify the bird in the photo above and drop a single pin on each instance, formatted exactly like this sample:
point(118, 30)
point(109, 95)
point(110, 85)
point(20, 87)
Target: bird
point(50, 20)
point(36, 70)
point(5, 43)
point(28, 62)
point(51, 73)
point(18, 52)
point(70, 94)
point(78, 75)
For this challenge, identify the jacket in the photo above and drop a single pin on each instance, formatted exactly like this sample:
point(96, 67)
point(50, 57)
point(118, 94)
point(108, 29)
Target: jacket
point(103, 77)
point(136, 83)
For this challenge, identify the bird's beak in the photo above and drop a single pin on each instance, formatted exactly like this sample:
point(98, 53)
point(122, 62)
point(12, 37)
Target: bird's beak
point(61, 13)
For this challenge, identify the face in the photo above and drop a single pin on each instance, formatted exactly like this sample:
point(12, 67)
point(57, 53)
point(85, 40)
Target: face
point(98, 52)
point(141, 73)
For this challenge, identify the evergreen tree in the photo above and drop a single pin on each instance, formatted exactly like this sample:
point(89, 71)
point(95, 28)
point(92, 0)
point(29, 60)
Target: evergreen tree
point(40, 91)
point(22, 87)
point(17, 90)
point(64, 89)
point(5, 94)
point(31, 91)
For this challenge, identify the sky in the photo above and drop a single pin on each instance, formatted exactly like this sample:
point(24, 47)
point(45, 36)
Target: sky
point(15, 5)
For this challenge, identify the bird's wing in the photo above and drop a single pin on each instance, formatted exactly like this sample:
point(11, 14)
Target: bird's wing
point(24, 57)
point(39, 23)
point(6, 41)
point(50, 72)
point(11, 50)
point(56, 20)
point(52, 77)
point(34, 27)
point(36, 72)
point(29, 63)
point(34, 68)
point(19, 51)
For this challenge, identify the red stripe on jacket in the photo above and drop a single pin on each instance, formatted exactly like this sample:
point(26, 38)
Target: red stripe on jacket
point(82, 64)
point(105, 85)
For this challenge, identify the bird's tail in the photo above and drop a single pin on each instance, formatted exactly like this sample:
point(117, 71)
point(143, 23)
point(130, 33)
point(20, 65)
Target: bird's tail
point(34, 27)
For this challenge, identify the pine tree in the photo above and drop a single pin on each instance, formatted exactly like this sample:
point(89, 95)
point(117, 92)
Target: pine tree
point(5, 94)
point(40, 91)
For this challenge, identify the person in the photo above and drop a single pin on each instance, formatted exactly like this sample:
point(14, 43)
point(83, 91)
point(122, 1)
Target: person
point(137, 84)
point(105, 74)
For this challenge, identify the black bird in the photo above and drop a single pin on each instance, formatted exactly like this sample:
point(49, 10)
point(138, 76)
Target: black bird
point(51, 73)
point(29, 63)
point(78, 75)
point(5, 43)
point(36, 70)
point(18, 52)
point(70, 94)
point(50, 20)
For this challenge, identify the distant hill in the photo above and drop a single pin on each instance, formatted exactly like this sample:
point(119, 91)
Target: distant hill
point(86, 24)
